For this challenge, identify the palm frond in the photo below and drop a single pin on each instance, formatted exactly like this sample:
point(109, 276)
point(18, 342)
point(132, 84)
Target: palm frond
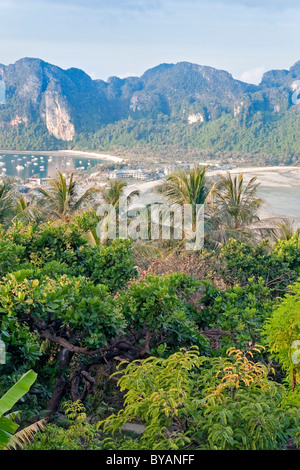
point(25, 436)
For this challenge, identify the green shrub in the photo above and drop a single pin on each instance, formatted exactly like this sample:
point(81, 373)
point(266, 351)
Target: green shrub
point(191, 402)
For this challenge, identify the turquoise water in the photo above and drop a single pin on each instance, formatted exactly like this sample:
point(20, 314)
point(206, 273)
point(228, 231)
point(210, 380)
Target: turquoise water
point(25, 165)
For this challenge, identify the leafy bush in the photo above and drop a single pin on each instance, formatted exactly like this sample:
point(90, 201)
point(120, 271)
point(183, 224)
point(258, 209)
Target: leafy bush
point(241, 311)
point(279, 267)
point(159, 305)
point(57, 242)
point(76, 434)
point(283, 333)
point(191, 402)
point(10, 256)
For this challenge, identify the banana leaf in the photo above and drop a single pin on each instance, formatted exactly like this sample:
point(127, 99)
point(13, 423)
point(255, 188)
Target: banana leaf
point(7, 426)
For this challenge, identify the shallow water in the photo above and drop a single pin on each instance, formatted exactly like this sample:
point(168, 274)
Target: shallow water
point(282, 201)
point(25, 165)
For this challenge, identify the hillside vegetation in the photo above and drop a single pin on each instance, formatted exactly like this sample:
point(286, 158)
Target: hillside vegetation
point(186, 106)
point(200, 348)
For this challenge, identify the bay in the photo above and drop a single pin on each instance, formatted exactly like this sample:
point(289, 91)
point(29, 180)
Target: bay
point(25, 165)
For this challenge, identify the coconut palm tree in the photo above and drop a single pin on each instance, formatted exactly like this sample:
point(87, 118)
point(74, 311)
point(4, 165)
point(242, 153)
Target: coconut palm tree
point(181, 187)
point(234, 208)
point(286, 230)
point(26, 209)
point(115, 190)
point(111, 195)
point(187, 187)
point(61, 197)
point(7, 198)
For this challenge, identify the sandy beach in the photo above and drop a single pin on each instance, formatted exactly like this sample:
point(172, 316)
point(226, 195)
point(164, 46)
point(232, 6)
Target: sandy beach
point(64, 153)
point(268, 176)
point(101, 156)
point(273, 176)
point(279, 188)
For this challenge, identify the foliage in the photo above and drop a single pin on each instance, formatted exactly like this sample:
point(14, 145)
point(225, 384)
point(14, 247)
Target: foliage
point(74, 307)
point(62, 198)
point(77, 434)
point(278, 267)
point(159, 305)
point(11, 255)
point(288, 251)
point(181, 187)
point(241, 312)
point(25, 436)
point(55, 241)
point(191, 402)
point(11, 397)
point(6, 202)
point(233, 208)
point(283, 334)
point(71, 309)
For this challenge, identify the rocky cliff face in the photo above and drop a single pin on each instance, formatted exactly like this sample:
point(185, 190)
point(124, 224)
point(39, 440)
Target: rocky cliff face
point(57, 116)
point(63, 101)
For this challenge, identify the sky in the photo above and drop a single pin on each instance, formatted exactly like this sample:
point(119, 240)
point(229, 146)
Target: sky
point(127, 37)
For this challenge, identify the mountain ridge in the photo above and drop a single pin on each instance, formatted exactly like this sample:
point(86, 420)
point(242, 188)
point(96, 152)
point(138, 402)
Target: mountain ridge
point(47, 107)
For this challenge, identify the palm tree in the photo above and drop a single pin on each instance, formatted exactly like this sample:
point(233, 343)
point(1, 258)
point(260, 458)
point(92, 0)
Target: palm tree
point(286, 230)
point(188, 187)
point(115, 191)
point(7, 197)
point(61, 197)
point(26, 210)
point(235, 206)
point(182, 187)
point(112, 195)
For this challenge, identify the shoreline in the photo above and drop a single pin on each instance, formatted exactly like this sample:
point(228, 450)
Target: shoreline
point(93, 155)
point(280, 203)
point(62, 153)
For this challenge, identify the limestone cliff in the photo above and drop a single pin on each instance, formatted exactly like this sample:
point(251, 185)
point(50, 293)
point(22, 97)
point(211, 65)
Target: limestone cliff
point(57, 116)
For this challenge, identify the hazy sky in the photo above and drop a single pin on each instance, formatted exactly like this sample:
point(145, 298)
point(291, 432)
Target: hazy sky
point(126, 37)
